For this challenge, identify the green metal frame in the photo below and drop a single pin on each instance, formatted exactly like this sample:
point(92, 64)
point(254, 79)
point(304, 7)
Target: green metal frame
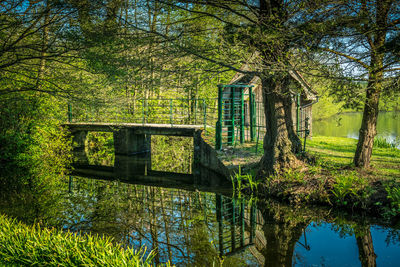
point(218, 126)
point(69, 113)
point(234, 105)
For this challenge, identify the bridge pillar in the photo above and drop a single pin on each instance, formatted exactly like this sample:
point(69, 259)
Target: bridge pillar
point(127, 142)
point(205, 156)
point(132, 153)
point(78, 147)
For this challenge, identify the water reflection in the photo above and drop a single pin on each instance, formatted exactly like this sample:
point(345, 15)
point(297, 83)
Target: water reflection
point(193, 224)
point(200, 228)
point(184, 227)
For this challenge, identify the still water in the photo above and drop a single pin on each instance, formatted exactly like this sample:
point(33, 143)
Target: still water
point(192, 224)
point(348, 125)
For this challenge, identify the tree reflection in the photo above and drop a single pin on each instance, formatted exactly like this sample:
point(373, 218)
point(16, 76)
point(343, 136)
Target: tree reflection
point(180, 225)
point(365, 245)
point(282, 229)
point(189, 227)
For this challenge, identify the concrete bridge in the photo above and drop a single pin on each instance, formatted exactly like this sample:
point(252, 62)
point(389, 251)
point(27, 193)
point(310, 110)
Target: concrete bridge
point(132, 145)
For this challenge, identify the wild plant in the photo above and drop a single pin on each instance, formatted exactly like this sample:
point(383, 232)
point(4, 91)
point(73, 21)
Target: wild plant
point(347, 184)
point(36, 246)
point(383, 143)
point(293, 175)
point(393, 194)
point(242, 181)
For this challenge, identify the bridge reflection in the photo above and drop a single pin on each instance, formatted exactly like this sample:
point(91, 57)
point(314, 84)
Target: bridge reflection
point(169, 215)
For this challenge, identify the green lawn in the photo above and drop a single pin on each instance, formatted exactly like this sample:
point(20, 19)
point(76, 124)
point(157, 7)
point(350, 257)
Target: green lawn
point(339, 152)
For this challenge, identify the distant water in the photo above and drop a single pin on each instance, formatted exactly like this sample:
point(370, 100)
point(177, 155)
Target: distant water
point(348, 125)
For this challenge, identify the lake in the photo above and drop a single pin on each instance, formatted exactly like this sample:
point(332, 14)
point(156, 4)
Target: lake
point(198, 224)
point(348, 125)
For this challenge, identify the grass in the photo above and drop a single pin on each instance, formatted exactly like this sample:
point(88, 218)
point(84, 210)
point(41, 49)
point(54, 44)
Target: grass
point(36, 246)
point(338, 152)
point(383, 143)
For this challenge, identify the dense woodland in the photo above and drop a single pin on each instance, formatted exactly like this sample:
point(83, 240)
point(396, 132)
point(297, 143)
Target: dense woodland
point(96, 54)
point(105, 60)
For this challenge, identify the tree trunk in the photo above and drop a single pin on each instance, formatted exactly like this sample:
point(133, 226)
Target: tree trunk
point(280, 141)
point(362, 157)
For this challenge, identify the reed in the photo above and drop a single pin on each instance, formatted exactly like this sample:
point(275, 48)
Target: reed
point(37, 246)
point(383, 143)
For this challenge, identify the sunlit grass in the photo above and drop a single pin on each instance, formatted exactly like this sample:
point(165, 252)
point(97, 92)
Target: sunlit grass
point(339, 151)
point(36, 246)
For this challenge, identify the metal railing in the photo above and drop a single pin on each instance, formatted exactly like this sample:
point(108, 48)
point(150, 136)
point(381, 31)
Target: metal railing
point(234, 117)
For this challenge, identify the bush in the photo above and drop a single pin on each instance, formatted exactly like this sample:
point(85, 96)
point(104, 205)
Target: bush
point(33, 147)
point(33, 245)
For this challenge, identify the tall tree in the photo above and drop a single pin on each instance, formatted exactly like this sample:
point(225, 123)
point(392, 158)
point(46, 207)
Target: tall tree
point(242, 29)
point(363, 36)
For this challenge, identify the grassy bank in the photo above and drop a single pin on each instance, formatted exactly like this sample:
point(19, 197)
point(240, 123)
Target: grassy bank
point(331, 179)
point(32, 245)
point(338, 153)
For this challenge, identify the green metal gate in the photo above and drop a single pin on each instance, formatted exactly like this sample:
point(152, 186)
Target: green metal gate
point(233, 112)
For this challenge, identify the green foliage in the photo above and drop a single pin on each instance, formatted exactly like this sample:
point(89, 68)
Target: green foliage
point(347, 184)
point(34, 147)
point(33, 245)
point(243, 181)
point(383, 143)
point(393, 195)
point(172, 154)
point(293, 176)
point(100, 148)
point(327, 105)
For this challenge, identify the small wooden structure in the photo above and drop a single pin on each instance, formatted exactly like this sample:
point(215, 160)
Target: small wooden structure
point(303, 95)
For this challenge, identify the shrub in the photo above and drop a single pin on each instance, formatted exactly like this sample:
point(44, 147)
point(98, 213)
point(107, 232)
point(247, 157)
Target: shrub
point(293, 176)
